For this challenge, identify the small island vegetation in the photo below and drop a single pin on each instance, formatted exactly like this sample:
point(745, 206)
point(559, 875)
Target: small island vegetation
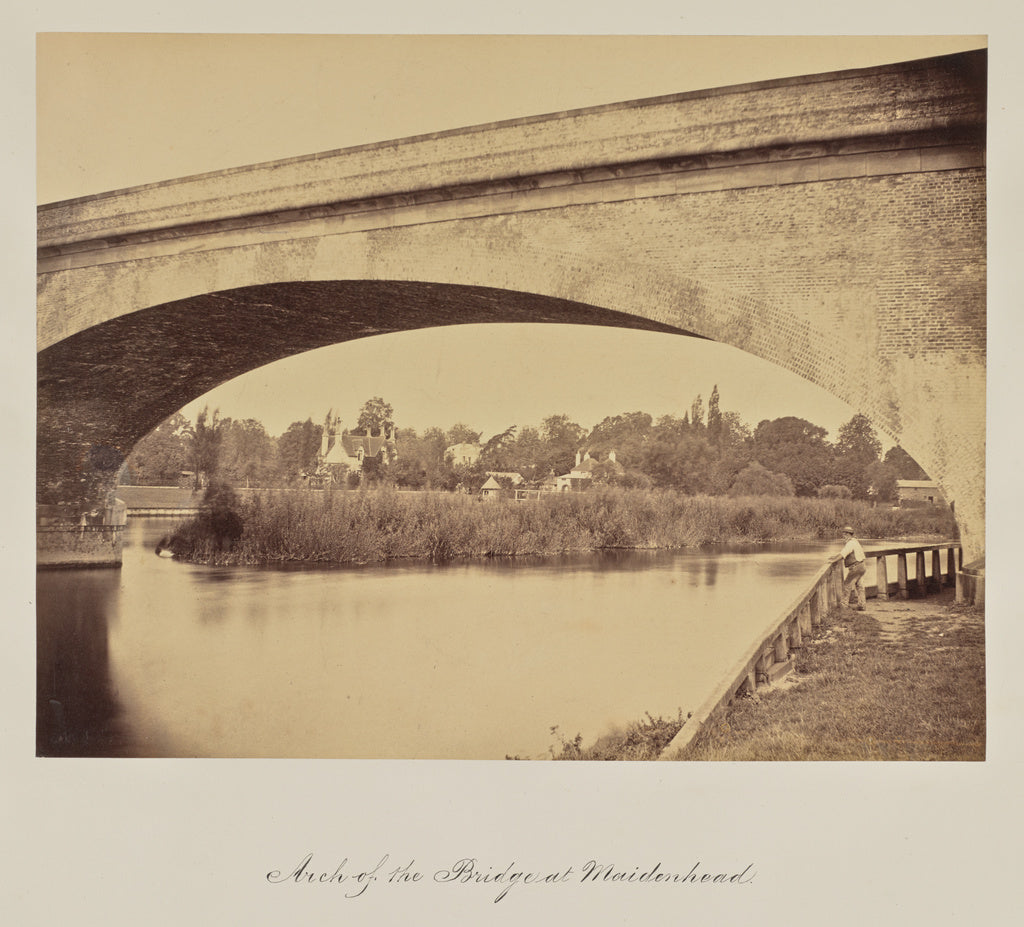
point(382, 525)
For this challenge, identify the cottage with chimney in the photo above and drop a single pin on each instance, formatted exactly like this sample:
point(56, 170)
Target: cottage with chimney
point(582, 473)
point(342, 451)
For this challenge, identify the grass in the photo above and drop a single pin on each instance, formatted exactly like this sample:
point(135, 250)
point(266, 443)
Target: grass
point(640, 740)
point(862, 694)
point(345, 527)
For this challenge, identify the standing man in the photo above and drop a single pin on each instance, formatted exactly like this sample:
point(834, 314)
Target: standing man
point(855, 563)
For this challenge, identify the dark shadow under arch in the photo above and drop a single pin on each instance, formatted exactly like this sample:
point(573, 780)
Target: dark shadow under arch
point(103, 389)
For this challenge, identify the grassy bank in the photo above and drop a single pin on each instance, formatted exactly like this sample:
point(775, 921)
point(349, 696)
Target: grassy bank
point(865, 687)
point(639, 740)
point(864, 691)
point(343, 527)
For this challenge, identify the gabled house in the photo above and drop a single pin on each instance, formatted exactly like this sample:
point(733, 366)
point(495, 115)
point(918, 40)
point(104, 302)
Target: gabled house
point(582, 473)
point(491, 489)
point(342, 450)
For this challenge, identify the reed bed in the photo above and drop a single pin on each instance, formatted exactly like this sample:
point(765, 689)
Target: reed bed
point(374, 526)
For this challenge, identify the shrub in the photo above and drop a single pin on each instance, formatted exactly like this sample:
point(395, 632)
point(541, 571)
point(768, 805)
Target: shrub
point(641, 740)
point(756, 480)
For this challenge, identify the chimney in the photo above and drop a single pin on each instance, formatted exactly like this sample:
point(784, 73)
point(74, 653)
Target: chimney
point(579, 457)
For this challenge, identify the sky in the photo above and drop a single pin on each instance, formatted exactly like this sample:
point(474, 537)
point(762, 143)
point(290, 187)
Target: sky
point(117, 110)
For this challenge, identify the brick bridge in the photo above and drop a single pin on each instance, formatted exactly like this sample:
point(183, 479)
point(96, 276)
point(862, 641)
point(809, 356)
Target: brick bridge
point(833, 224)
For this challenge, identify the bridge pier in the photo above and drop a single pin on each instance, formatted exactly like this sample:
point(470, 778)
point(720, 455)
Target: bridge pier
point(69, 536)
point(79, 520)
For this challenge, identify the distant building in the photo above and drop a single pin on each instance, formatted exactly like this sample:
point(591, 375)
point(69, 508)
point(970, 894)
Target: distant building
point(491, 489)
point(582, 473)
point(919, 491)
point(341, 450)
point(514, 478)
point(462, 455)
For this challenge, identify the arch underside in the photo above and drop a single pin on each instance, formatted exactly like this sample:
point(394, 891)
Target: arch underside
point(103, 389)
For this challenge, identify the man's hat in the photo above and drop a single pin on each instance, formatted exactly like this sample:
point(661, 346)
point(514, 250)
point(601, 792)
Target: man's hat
point(847, 530)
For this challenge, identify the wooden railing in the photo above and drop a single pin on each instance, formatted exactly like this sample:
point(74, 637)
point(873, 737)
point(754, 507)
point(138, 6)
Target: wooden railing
point(922, 583)
point(770, 657)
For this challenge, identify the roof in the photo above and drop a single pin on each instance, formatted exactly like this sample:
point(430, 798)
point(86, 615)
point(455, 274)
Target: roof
point(348, 445)
point(371, 444)
point(916, 484)
point(491, 483)
point(516, 478)
point(587, 465)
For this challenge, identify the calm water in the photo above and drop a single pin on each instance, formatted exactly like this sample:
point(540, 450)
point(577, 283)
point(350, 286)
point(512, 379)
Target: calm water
point(469, 661)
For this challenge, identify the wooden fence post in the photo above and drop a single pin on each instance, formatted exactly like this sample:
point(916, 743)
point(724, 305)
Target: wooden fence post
point(781, 649)
point(881, 578)
point(796, 637)
point(901, 576)
point(922, 586)
point(804, 619)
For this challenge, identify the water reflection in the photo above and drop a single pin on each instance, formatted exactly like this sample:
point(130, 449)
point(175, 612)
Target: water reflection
point(77, 711)
point(413, 660)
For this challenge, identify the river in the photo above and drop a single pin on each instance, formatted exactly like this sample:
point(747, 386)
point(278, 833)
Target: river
point(469, 660)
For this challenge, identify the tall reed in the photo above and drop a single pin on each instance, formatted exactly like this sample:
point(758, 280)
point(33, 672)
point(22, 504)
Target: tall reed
point(358, 526)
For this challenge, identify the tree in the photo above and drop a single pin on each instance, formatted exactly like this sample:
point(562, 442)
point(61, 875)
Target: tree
point(461, 434)
point(714, 418)
point(797, 448)
point(857, 439)
point(527, 453)
point(204, 452)
point(248, 453)
point(159, 458)
point(697, 414)
point(904, 466)
point(755, 480)
point(375, 417)
point(857, 449)
point(682, 462)
point(562, 438)
point(626, 434)
point(497, 454)
point(219, 516)
point(881, 479)
point(669, 424)
point(498, 442)
point(297, 449)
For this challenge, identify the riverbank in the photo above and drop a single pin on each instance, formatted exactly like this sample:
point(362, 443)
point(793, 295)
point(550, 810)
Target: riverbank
point(903, 680)
point(366, 527)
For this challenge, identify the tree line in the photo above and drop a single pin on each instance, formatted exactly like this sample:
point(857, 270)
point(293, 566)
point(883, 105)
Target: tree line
point(705, 451)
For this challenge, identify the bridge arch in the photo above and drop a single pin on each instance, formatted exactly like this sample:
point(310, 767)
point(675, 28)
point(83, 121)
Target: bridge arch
point(832, 225)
